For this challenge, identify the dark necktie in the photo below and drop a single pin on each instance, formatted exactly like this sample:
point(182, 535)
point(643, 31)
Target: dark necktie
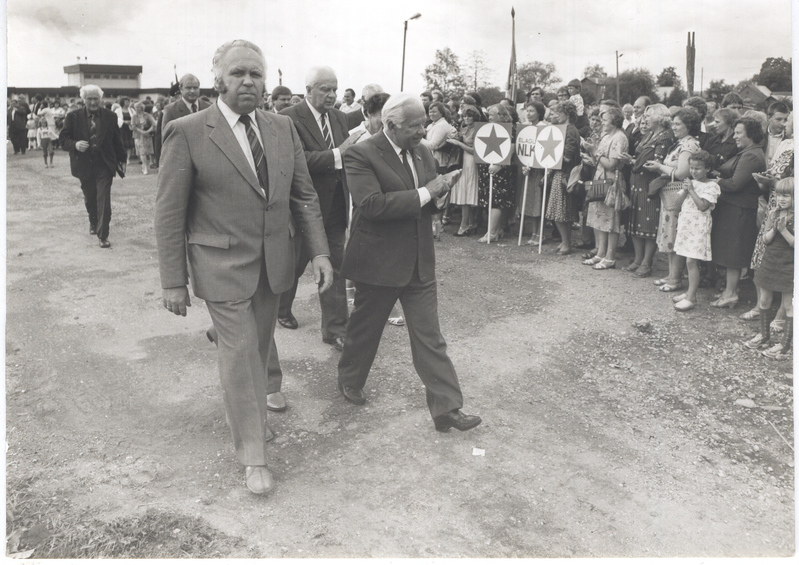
point(257, 153)
point(326, 133)
point(407, 167)
point(93, 129)
point(193, 107)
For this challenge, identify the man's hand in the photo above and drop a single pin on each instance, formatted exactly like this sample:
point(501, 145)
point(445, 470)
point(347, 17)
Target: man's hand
point(322, 272)
point(176, 300)
point(438, 186)
point(350, 141)
point(81, 145)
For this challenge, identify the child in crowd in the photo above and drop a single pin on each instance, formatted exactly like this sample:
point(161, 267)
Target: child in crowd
point(699, 197)
point(575, 86)
point(32, 124)
point(776, 272)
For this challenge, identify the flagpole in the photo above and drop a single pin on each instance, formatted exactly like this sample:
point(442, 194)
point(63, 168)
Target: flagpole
point(490, 198)
point(524, 206)
point(543, 219)
point(510, 91)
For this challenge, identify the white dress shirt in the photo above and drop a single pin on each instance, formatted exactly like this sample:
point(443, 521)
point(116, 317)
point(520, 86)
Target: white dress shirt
point(196, 105)
point(240, 131)
point(318, 117)
point(424, 194)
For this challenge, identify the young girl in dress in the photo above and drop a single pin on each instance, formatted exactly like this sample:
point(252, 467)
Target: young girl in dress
point(776, 272)
point(698, 196)
point(32, 124)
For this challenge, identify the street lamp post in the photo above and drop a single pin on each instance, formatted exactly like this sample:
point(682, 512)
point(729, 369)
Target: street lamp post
point(618, 97)
point(404, 39)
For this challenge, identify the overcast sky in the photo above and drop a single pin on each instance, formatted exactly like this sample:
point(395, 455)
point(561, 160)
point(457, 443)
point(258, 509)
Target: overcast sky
point(362, 39)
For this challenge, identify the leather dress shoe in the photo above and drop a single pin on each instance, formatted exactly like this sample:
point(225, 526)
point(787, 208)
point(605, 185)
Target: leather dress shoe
point(337, 342)
point(210, 333)
point(104, 243)
point(456, 419)
point(92, 231)
point(258, 479)
point(354, 395)
point(275, 402)
point(288, 321)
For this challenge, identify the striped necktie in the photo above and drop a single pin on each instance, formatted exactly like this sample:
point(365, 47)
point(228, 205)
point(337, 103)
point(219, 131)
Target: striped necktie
point(326, 133)
point(258, 156)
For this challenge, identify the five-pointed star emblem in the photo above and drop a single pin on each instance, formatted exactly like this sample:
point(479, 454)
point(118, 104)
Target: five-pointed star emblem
point(549, 146)
point(493, 143)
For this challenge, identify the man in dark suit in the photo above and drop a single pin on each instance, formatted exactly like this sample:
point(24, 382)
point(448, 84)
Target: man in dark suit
point(17, 127)
point(324, 135)
point(390, 256)
point(232, 192)
point(96, 155)
point(188, 103)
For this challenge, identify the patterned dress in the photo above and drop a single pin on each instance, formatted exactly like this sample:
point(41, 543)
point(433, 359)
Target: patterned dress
point(781, 167)
point(693, 232)
point(644, 211)
point(667, 230)
point(561, 207)
point(600, 216)
point(504, 188)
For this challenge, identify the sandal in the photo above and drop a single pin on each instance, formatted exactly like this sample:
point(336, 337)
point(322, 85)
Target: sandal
point(566, 251)
point(684, 305)
point(679, 297)
point(752, 314)
point(593, 260)
point(590, 255)
point(631, 268)
point(668, 287)
point(398, 321)
point(660, 282)
point(777, 326)
point(776, 352)
point(643, 271)
point(757, 342)
point(484, 239)
point(605, 264)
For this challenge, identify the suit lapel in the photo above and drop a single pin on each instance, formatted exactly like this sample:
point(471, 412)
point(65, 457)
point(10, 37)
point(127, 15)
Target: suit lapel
point(392, 159)
point(308, 120)
point(269, 137)
point(223, 137)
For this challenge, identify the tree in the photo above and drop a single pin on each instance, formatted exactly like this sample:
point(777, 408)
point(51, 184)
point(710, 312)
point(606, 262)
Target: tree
point(632, 84)
point(675, 97)
point(445, 74)
point(594, 71)
point(717, 90)
point(477, 71)
point(536, 74)
point(490, 95)
point(775, 74)
point(668, 77)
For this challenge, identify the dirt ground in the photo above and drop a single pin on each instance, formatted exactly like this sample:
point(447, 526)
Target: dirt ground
point(600, 439)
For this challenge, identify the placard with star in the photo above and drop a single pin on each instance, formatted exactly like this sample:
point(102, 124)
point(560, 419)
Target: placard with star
point(492, 144)
point(549, 146)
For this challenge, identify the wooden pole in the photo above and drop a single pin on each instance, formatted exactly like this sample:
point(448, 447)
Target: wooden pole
point(543, 210)
point(524, 206)
point(490, 198)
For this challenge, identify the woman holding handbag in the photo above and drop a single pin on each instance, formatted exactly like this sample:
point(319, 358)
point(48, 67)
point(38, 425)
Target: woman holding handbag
point(644, 217)
point(685, 124)
point(604, 219)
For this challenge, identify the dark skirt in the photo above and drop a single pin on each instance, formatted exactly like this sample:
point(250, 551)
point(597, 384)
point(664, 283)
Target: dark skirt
point(644, 212)
point(733, 236)
point(776, 267)
point(503, 189)
point(127, 136)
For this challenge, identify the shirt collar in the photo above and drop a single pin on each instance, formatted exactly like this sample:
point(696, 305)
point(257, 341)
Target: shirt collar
point(231, 116)
point(188, 104)
point(316, 113)
point(397, 149)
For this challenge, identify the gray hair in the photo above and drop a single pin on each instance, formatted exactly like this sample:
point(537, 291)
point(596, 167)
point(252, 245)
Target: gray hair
point(186, 77)
point(659, 115)
point(88, 89)
point(370, 90)
point(315, 73)
point(223, 49)
point(394, 108)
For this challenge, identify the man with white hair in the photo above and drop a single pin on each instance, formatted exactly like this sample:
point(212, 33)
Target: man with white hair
point(323, 133)
point(233, 193)
point(96, 155)
point(356, 118)
point(390, 257)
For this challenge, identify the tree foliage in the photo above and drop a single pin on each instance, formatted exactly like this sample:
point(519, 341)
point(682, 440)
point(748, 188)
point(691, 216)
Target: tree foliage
point(477, 71)
point(668, 77)
point(445, 74)
point(717, 90)
point(675, 97)
point(595, 71)
point(537, 74)
point(490, 95)
point(632, 84)
point(775, 74)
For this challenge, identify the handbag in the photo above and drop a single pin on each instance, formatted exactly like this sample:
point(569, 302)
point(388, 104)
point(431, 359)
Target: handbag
point(616, 198)
point(670, 195)
point(597, 190)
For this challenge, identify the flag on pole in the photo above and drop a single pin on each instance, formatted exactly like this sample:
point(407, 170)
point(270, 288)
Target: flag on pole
point(174, 89)
point(512, 85)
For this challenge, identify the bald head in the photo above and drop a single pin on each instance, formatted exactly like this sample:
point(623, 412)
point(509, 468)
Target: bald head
point(321, 85)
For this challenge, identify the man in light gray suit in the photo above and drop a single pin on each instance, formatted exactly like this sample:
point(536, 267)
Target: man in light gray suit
point(233, 192)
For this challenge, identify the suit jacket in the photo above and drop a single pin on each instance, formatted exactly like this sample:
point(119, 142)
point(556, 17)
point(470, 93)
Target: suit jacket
point(354, 119)
point(110, 150)
point(209, 207)
point(176, 109)
point(19, 123)
point(320, 159)
point(390, 233)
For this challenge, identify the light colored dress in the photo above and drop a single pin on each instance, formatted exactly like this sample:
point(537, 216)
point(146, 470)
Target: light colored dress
point(600, 216)
point(693, 231)
point(465, 190)
point(667, 228)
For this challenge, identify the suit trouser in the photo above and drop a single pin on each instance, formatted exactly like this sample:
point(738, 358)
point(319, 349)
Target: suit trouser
point(333, 302)
point(368, 319)
point(19, 139)
point(96, 187)
point(245, 332)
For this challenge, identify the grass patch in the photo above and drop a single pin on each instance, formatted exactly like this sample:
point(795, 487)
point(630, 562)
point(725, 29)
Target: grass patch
point(41, 526)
